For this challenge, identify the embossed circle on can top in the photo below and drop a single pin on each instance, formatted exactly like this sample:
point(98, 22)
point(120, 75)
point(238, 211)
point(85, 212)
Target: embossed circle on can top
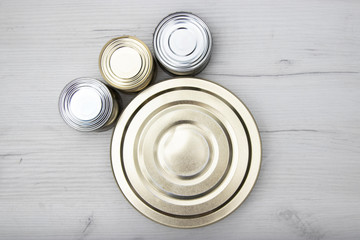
point(86, 103)
point(182, 43)
point(125, 62)
point(186, 152)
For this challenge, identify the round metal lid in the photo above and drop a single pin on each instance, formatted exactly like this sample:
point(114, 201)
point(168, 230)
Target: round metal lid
point(186, 152)
point(85, 104)
point(182, 43)
point(126, 63)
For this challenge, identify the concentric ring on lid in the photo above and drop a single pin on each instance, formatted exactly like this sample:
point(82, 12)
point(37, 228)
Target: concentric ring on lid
point(182, 43)
point(86, 104)
point(126, 63)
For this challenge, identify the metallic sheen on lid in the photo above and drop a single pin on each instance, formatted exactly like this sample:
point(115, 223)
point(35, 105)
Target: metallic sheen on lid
point(126, 63)
point(186, 152)
point(87, 104)
point(182, 43)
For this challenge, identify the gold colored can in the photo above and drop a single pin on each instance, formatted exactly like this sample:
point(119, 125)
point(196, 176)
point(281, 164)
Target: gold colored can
point(126, 63)
point(186, 152)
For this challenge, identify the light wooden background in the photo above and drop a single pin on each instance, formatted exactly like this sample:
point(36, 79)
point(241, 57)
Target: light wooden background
point(295, 64)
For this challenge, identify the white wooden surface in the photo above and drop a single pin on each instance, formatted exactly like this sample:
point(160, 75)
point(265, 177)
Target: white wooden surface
point(296, 65)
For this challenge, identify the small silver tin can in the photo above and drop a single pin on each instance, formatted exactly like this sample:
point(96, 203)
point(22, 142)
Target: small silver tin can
point(182, 44)
point(87, 104)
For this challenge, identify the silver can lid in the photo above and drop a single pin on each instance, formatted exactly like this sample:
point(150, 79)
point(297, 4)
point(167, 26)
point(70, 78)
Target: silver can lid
point(182, 43)
point(86, 104)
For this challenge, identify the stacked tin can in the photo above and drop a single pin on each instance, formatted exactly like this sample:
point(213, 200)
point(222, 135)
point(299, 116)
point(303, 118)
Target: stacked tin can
point(87, 104)
point(126, 63)
point(182, 44)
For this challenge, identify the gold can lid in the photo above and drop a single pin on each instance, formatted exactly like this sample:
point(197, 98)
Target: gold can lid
point(126, 63)
point(186, 152)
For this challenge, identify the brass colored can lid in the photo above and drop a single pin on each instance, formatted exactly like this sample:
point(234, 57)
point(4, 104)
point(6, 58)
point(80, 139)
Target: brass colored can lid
point(182, 43)
point(126, 63)
point(87, 104)
point(186, 152)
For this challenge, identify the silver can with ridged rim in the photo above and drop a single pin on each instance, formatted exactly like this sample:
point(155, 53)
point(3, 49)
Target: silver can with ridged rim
point(87, 104)
point(126, 63)
point(182, 43)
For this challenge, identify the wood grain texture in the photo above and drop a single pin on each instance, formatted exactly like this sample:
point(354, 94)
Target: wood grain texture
point(295, 64)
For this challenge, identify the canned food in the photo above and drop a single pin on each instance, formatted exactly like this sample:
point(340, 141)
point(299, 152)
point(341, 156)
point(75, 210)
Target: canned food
point(182, 44)
point(87, 104)
point(126, 63)
point(186, 152)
